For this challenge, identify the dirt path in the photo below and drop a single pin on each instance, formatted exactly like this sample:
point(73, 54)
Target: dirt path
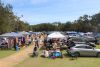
point(16, 58)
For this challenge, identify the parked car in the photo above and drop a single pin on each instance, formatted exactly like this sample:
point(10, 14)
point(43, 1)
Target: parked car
point(72, 34)
point(82, 41)
point(3, 44)
point(84, 50)
point(78, 40)
point(97, 36)
point(90, 37)
point(2, 41)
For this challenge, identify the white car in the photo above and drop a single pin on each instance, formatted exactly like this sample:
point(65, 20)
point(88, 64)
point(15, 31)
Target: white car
point(84, 50)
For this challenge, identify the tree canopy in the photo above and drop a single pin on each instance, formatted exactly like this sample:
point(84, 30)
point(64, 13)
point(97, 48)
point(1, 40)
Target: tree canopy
point(10, 22)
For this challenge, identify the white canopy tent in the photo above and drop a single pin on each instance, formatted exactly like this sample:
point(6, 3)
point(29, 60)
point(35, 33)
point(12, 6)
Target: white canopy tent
point(56, 35)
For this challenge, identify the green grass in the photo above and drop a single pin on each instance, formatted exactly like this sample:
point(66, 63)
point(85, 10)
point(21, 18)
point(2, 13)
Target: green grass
point(5, 53)
point(64, 62)
point(98, 46)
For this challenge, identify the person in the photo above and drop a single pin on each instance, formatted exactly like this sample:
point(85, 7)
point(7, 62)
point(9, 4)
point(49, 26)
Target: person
point(58, 53)
point(22, 41)
point(90, 44)
point(17, 44)
point(55, 45)
point(35, 51)
point(14, 44)
point(95, 41)
point(73, 56)
point(36, 42)
point(45, 41)
point(17, 47)
point(30, 39)
point(49, 44)
point(40, 41)
point(51, 53)
point(45, 53)
point(27, 40)
point(70, 43)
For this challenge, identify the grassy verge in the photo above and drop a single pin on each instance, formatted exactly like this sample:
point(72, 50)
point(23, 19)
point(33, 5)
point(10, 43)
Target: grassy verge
point(65, 62)
point(5, 53)
point(98, 46)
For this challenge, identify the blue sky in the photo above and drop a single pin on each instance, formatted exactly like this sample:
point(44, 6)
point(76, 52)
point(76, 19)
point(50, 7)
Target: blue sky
point(42, 11)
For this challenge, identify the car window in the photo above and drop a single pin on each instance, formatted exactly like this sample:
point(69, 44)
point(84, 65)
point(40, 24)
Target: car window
point(89, 47)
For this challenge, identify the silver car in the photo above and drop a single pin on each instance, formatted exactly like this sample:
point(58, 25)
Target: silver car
point(84, 50)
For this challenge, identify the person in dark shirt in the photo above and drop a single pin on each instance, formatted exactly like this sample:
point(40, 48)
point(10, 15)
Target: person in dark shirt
point(49, 45)
point(35, 51)
point(70, 43)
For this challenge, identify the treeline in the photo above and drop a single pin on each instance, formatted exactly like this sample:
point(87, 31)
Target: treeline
point(85, 23)
point(10, 22)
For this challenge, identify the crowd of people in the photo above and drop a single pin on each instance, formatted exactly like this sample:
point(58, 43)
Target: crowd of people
point(51, 48)
point(15, 42)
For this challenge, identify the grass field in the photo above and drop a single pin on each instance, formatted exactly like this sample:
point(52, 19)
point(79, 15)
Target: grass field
point(64, 62)
point(98, 46)
point(5, 53)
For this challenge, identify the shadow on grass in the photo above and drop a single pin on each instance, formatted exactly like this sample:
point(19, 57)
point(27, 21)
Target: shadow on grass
point(88, 57)
point(69, 57)
point(32, 55)
point(75, 58)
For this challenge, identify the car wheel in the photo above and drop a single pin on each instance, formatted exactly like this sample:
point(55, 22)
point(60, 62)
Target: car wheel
point(77, 54)
point(98, 54)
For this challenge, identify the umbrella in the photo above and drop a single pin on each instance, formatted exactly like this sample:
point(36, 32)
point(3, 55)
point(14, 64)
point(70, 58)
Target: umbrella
point(56, 35)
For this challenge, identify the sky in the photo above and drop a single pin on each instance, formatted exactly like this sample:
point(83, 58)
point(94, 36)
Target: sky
point(44, 11)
